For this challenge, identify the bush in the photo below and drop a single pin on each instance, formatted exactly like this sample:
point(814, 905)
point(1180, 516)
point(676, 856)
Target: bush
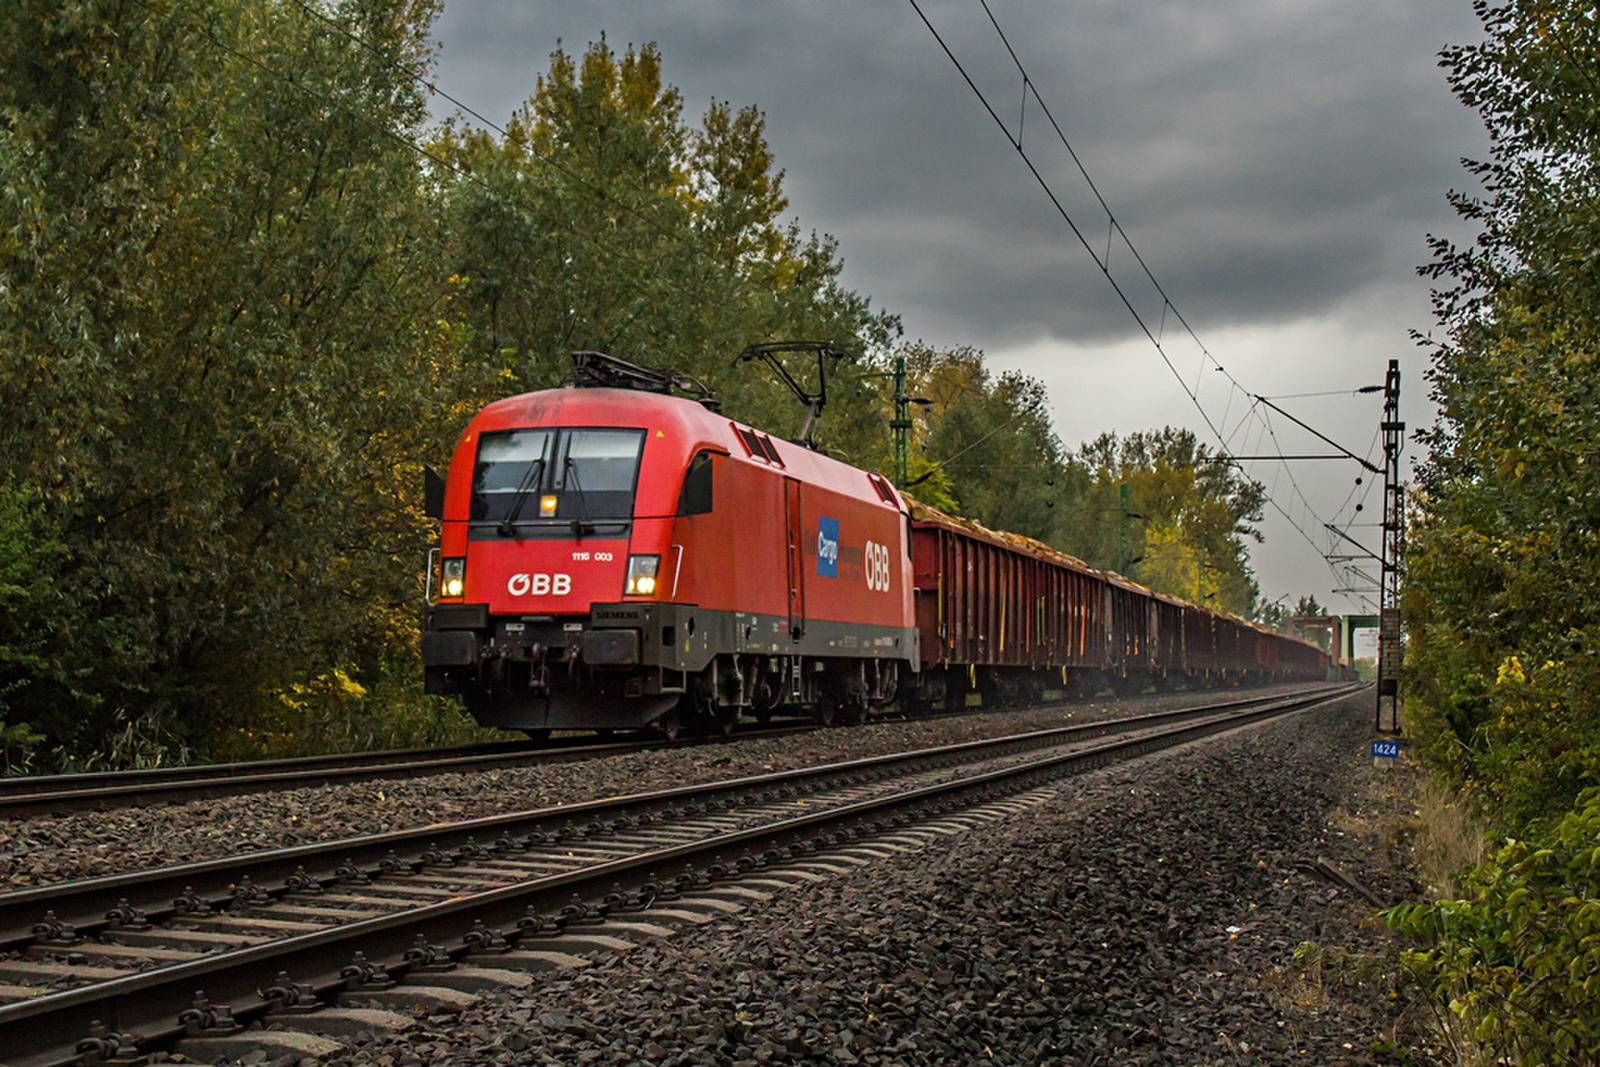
point(1518, 958)
point(35, 681)
point(333, 712)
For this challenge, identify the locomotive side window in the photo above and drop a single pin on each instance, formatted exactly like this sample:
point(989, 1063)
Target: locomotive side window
point(695, 497)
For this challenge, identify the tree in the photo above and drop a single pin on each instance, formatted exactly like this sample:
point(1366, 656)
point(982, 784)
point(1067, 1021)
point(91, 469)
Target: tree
point(1188, 519)
point(1307, 605)
point(1272, 614)
point(601, 221)
point(1502, 553)
point(33, 616)
point(1501, 607)
point(218, 291)
point(985, 445)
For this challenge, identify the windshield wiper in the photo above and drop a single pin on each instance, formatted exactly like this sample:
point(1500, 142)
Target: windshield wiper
point(581, 525)
point(531, 479)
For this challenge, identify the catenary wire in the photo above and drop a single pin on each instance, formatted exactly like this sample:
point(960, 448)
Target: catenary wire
point(1297, 496)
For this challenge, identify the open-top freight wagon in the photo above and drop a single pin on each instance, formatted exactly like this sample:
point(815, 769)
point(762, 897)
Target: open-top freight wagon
point(1012, 618)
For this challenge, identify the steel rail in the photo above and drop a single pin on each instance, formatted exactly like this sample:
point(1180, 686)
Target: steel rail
point(145, 1009)
point(24, 796)
point(103, 790)
point(94, 906)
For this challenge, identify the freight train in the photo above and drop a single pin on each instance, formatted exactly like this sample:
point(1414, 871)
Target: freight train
point(614, 555)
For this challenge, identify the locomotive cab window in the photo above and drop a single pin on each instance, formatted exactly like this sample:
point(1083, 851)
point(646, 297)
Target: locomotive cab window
point(596, 476)
point(510, 463)
point(527, 479)
point(695, 498)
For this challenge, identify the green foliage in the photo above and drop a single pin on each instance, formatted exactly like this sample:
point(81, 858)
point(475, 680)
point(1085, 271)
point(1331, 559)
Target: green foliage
point(19, 746)
point(1271, 613)
point(1307, 605)
point(1503, 545)
point(1190, 516)
point(601, 221)
point(983, 446)
point(1501, 607)
point(334, 713)
point(34, 616)
point(130, 742)
point(217, 297)
point(1518, 959)
point(1535, 736)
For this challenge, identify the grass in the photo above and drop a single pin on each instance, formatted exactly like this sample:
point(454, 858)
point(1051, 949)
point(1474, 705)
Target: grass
point(1448, 841)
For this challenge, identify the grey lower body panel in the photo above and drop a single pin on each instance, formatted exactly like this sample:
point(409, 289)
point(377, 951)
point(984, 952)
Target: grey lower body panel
point(568, 708)
point(623, 666)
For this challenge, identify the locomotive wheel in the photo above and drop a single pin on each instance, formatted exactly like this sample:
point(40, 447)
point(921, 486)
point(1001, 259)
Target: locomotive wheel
point(538, 737)
point(825, 711)
point(669, 725)
point(726, 719)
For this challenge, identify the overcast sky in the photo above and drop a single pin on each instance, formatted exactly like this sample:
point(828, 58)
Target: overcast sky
point(1276, 163)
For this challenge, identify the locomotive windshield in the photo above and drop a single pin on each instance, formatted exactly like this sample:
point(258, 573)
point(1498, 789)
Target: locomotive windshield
point(530, 480)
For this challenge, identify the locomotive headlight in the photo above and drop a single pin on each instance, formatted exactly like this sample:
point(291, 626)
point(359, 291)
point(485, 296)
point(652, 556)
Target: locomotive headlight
point(453, 576)
point(642, 575)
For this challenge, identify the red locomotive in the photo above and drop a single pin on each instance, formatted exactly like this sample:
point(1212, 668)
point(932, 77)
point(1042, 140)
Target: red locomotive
point(616, 556)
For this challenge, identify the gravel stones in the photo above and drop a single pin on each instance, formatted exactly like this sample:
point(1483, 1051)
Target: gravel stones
point(1149, 914)
point(44, 849)
point(1145, 915)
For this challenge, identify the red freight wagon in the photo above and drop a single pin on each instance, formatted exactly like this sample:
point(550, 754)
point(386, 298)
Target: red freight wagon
point(1001, 613)
point(1012, 618)
point(1169, 658)
point(1129, 638)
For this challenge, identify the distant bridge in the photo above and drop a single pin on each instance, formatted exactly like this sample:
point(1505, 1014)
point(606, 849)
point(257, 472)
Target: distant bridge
point(1341, 631)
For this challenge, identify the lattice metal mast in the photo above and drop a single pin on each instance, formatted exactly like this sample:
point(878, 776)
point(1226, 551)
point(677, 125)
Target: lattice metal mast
point(1393, 530)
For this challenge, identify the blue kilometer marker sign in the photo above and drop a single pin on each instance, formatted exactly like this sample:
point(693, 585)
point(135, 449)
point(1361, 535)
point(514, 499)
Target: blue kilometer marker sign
point(1385, 749)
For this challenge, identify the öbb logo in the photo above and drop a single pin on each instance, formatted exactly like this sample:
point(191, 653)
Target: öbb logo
point(539, 584)
point(827, 547)
point(877, 567)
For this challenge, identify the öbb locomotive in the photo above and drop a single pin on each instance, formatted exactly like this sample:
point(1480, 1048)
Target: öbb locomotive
point(616, 556)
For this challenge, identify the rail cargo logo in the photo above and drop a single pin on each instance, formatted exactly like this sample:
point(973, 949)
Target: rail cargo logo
point(827, 547)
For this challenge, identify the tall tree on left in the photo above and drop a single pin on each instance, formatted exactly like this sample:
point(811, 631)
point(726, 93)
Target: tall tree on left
point(219, 344)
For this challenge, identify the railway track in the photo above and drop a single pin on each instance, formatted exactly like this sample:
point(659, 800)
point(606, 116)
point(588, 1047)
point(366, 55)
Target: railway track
point(21, 797)
point(105, 790)
point(287, 932)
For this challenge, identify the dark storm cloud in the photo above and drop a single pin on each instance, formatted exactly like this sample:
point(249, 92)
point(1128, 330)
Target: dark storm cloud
point(1268, 157)
point(1278, 163)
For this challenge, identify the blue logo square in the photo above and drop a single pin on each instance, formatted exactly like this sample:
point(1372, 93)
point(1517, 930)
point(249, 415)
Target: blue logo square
point(827, 547)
